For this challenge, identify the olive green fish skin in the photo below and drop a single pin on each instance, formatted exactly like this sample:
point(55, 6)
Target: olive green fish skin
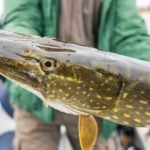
point(79, 80)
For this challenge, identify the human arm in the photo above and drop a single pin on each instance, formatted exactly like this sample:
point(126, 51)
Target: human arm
point(130, 35)
point(23, 16)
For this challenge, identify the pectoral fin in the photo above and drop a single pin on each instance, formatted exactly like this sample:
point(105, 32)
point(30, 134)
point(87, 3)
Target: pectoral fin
point(88, 130)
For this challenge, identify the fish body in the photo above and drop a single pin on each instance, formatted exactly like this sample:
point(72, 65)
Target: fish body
point(79, 80)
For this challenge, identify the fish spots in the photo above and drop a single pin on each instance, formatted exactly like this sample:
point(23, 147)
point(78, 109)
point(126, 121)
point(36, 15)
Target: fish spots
point(126, 123)
point(74, 99)
point(91, 89)
point(141, 107)
point(137, 120)
point(108, 98)
point(107, 117)
point(83, 105)
point(143, 102)
point(73, 80)
point(49, 77)
point(147, 114)
point(98, 96)
point(70, 79)
point(126, 115)
point(53, 91)
point(118, 102)
point(125, 95)
point(60, 90)
point(110, 78)
point(78, 87)
point(88, 95)
point(115, 117)
point(54, 84)
point(91, 100)
point(69, 88)
point(64, 98)
point(92, 82)
point(104, 107)
point(61, 77)
point(97, 103)
point(51, 96)
point(97, 108)
point(129, 106)
point(108, 89)
point(66, 94)
point(77, 93)
point(115, 110)
point(142, 92)
point(106, 81)
point(138, 113)
point(84, 92)
point(102, 84)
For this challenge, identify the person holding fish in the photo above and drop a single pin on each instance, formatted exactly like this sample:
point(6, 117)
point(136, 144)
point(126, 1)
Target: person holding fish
point(108, 25)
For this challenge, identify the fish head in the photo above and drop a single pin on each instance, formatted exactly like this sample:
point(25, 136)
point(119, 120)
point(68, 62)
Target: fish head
point(40, 67)
point(58, 72)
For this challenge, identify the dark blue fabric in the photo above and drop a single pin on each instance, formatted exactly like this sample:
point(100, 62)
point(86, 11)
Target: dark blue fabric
point(6, 141)
point(2, 78)
point(4, 99)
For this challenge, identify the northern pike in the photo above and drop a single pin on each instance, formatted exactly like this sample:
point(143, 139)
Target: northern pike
point(79, 80)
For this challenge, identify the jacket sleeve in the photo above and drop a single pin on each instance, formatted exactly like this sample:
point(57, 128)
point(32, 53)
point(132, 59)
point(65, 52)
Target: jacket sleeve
point(22, 16)
point(130, 35)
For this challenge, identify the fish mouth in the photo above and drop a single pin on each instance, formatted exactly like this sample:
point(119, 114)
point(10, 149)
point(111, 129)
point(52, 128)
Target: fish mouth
point(15, 66)
point(14, 71)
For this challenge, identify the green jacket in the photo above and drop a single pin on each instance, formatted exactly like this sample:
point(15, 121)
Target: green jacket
point(121, 31)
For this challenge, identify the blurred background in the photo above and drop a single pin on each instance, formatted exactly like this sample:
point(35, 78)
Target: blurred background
point(144, 9)
point(7, 124)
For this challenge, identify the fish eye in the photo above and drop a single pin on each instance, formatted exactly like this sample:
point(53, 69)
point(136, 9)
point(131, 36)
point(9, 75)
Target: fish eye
point(48, 64)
